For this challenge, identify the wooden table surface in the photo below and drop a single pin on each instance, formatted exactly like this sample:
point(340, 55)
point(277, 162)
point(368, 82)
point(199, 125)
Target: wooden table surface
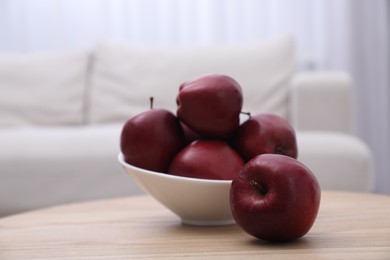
point(349, 226)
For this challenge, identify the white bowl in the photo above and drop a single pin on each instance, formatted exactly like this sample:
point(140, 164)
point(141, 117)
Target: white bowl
point(196, 201)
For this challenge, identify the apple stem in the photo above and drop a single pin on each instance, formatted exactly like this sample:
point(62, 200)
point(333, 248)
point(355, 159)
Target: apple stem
point(259, 187)
point(151, 102)
point(246, 113)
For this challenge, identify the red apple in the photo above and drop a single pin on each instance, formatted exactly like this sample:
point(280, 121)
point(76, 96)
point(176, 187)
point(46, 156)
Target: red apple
point(210, 105)
point(207, 159)
point(275, 198)
point(151, 139)
point(265, 133)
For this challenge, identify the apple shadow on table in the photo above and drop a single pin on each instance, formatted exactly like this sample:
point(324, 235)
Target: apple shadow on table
point(301, 243)
point(184, 229)
point(182, 232)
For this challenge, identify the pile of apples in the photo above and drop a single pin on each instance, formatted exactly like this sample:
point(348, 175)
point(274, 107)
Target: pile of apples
point(273, 196)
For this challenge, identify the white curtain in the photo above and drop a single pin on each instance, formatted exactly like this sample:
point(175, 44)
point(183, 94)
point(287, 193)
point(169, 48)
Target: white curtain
point(349, 35)
point(370, 66)
point(35, 25)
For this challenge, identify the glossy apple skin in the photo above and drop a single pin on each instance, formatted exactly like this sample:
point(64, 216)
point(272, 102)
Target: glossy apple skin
point(207, 159)
point(151, 139)
point(210, 105)
point(265, 133)
point(275, 198)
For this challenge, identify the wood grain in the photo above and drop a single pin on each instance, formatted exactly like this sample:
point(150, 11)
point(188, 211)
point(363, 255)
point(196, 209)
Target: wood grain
point(349, 226)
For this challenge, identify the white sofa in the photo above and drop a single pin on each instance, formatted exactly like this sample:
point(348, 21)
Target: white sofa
point(61, 114)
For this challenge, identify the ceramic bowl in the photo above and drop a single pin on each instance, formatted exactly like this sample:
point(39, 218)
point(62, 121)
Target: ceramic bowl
point(195, 201)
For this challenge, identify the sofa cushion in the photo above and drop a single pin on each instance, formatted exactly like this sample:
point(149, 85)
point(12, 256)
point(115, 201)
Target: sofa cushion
point(45, 166)
point(42, 88)
point(124, 77)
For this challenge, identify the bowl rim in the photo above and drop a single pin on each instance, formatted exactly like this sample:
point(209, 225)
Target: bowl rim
point(169, 176)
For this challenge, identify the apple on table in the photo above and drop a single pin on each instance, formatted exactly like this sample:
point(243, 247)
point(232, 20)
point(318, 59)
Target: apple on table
point(275, 198)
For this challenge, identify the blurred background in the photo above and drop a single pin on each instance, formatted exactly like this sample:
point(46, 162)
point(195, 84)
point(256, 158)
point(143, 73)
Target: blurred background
point(347, 35)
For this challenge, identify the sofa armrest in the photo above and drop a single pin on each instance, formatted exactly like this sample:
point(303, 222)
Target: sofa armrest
point(321, 101)
point(340, 161)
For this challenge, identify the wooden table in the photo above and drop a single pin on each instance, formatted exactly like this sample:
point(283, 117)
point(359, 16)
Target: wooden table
point(349, 226)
